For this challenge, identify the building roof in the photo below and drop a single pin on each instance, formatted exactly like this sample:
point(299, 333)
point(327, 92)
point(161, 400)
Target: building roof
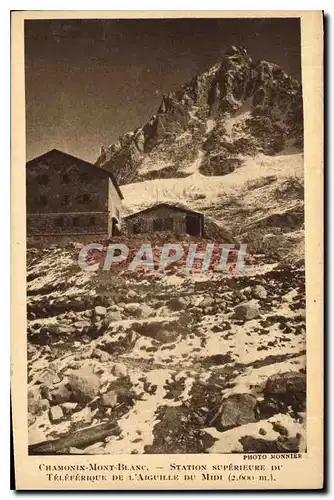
point(84, 162)
point(176, 206)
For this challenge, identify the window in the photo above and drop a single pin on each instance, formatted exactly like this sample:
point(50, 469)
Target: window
point(66, 199)
point(85, 177)
point(91, 221)
point(42, 201)
point(136, 227)
point(75, 221)
point(60, 221)
point(43, 179)
point(163, 224)
point(85, 198)
point(168, 223)
point(65, 179)
point(157, 224)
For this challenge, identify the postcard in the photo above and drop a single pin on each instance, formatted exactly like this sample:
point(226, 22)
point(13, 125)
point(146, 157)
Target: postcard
point(167, 255)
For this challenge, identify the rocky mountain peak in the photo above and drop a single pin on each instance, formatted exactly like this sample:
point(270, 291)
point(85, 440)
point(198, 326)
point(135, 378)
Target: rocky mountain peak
point(235, 109)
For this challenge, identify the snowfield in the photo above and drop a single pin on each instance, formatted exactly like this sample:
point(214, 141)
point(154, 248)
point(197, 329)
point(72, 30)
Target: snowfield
point(143, 194)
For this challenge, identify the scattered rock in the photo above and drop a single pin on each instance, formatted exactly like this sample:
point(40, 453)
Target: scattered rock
point(49, 378)
point(259, 292)
point(287, 382)
point(58, 330)
point(238, 295)
point(103, 356)
point(84, 384)
point(68, 408)
point(109, 399)
point(247, 310)
point(178, 303)
point(120, 370)
point(55, 414)
point(251, 444)
point(100, 311)
point(163, 331)
point(112, 316)
point(277, 427)
point(288, 444)
point(84, 416)
point(237, 409)
point(61, 394)
point(82, 325)
point(269, 407)
point(206, 302)
point(138, 310)
point(34, 400)
point(131, 294)
point(217, 359)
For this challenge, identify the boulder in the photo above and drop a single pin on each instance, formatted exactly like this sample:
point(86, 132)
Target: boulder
point(247, 310)
point(49, 378)
point(120, 370)
point(55, 414)
point(103, 356)
point(286, 383)
point(259, 292)
point(178, 303)
point(112, 316)
point(82, 325)
point(34, 400)
point(84, 416)
point(100, 311)
point(61, 394)
point(237, 409)
point(278, 427)
point(132, 294)
point(84, 384)
point(56, 330)
point(68, 408)
point(109, 399)
point(162, 331)
point(138, 310)
point(206, 302)
point(239, 296)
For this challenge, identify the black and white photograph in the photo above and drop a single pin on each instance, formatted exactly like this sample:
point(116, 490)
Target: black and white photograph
point(165, 236)
point(167, 250)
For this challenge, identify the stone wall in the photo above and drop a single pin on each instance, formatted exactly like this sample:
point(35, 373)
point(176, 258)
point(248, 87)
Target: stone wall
point(67, 224)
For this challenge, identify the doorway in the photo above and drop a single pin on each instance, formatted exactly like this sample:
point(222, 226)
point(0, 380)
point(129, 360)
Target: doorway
point(193, 225)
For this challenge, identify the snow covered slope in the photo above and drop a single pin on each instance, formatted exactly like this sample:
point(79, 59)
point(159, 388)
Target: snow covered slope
point(252, 203)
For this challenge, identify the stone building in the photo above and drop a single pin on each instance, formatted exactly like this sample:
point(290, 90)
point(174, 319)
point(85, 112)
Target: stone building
point(165, 217)
point(70, 199)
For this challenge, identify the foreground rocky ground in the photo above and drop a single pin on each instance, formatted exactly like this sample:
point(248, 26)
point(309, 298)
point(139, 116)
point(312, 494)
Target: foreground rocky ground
point(176, 363)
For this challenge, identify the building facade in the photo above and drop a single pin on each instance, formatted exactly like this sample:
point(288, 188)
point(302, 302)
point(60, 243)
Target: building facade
point(165, 217)
point(69, 197)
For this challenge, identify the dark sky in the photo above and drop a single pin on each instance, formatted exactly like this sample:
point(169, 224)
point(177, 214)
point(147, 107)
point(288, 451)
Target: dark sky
point(90, 81)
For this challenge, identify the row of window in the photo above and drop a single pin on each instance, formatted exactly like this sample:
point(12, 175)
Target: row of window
point(75, 221)
point(158, 225)
point(82, 198)
point(43, 179)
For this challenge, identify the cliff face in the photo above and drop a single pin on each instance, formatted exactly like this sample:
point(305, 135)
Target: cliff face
point(237, 109)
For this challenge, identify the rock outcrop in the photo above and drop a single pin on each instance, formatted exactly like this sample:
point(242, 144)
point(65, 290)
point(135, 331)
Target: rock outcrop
point(237, 108)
